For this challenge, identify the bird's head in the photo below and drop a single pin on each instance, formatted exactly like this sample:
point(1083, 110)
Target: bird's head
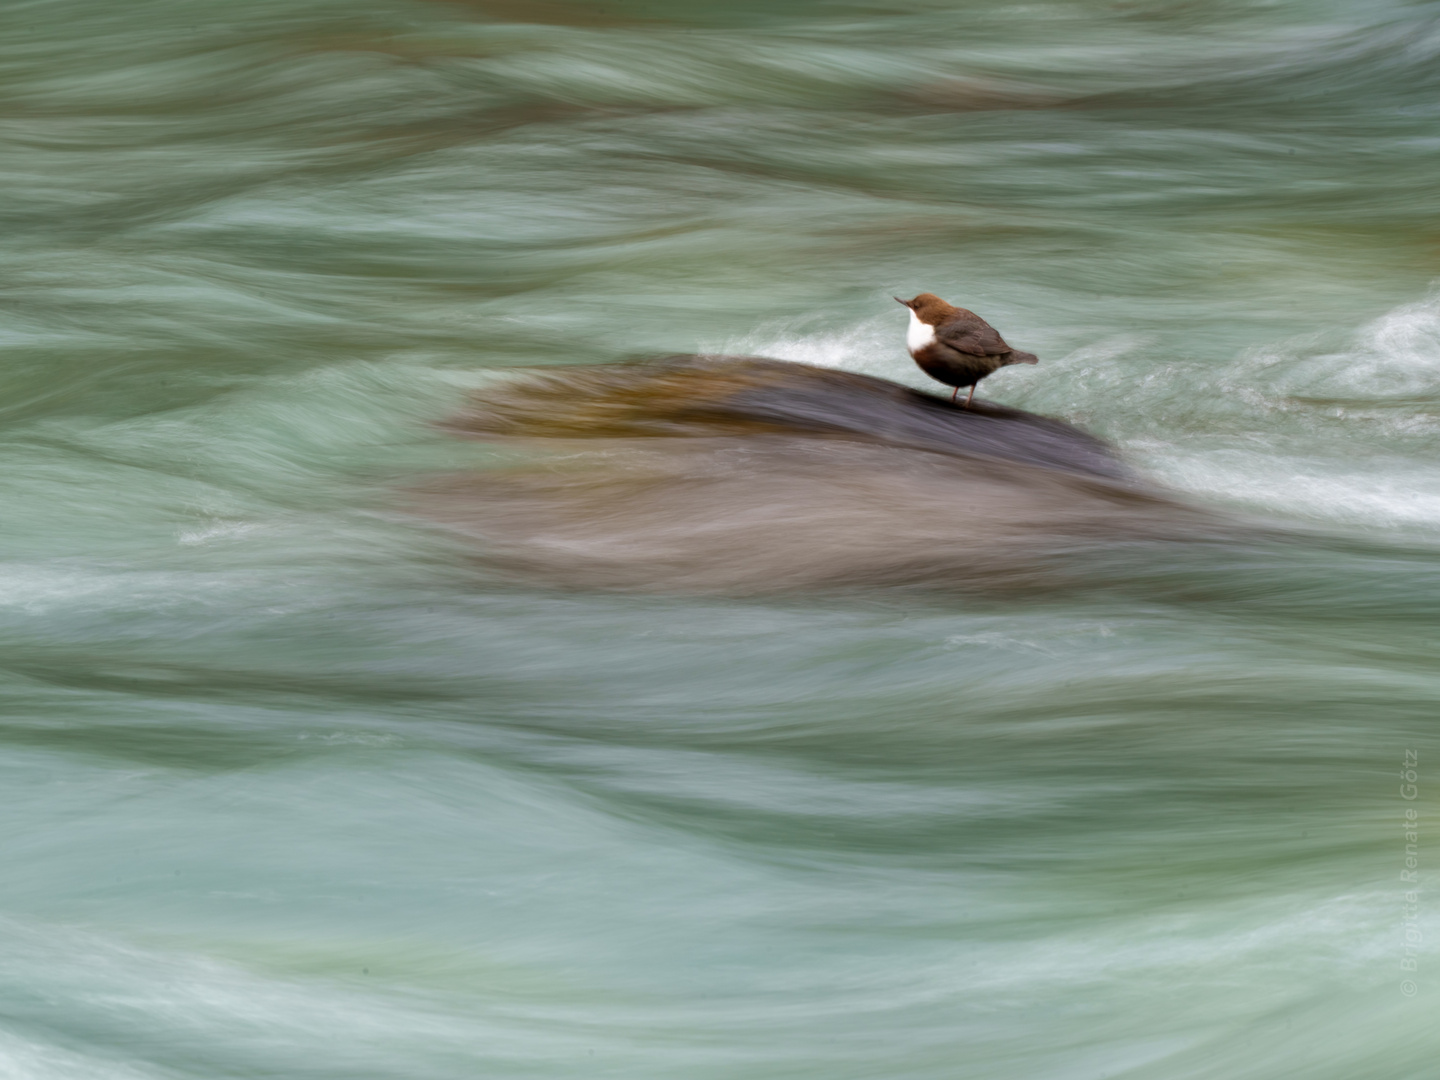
point(929, 308)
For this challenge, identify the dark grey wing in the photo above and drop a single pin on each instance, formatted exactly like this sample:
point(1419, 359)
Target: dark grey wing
point(974, 336)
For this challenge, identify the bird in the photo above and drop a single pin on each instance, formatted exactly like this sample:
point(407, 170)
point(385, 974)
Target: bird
point(955, 346)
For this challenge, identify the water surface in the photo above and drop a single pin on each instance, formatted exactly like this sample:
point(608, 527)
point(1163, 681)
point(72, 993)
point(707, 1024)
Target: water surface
point(294, 787)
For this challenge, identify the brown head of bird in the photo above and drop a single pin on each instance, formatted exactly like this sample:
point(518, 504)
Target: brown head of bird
point(930, 309)
point(955, 346)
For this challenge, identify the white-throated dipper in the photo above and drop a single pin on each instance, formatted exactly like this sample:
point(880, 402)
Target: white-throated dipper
point(955, 346)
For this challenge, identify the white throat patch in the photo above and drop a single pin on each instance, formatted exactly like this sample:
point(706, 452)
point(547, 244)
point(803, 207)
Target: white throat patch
point(919, 335)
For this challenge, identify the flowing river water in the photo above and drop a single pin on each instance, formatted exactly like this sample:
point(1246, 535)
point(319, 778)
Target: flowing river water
point(300, 782)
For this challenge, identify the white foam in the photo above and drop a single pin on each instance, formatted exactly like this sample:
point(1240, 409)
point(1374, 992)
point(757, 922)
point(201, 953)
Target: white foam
point(1389, 492)
point(1344, 435)
point(873, 347)
point(1396, 355)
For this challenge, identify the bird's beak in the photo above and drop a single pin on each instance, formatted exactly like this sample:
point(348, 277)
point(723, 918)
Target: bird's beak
point(899, 301)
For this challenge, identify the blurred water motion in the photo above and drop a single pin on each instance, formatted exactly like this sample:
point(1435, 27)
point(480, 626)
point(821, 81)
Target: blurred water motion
point(602, 741)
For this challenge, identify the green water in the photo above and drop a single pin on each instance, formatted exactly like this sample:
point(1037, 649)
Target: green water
point(290, 790)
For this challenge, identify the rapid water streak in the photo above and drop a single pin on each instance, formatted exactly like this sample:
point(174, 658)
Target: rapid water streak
point(297, 782)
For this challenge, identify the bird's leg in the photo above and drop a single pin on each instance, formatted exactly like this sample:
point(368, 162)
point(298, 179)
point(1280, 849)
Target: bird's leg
point(969, 395)
point(954, 395)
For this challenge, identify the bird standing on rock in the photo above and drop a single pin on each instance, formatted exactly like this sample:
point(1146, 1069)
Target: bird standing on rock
point(955, 346)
